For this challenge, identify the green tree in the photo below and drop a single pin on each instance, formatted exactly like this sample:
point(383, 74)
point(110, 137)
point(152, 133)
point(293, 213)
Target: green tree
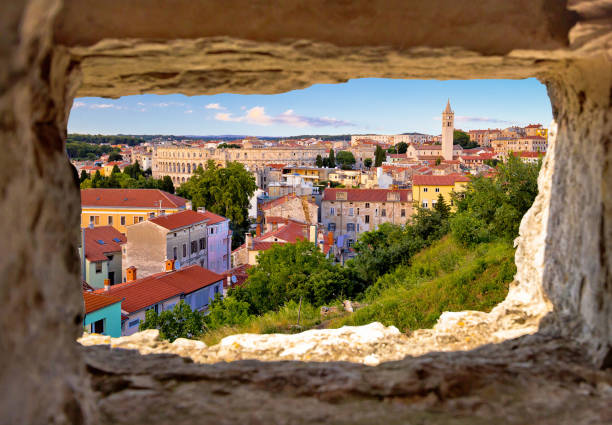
point(115, 170)
point(180, 322)
point(401, 147)
point(227, 311)
point(463, 139)
point(115, 156)
point(368, 163)
point(84, 176)
point(166, 184)
point(392, 150)
point(442, 207)
point(319, 161)
point(292, 270)
point(134, 170)
point(379, 156)
point(345, 159)
point(224, 191)
point(501, 201)
point(331, 160)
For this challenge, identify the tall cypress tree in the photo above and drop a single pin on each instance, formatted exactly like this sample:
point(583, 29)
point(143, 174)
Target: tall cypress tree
point(332, 159)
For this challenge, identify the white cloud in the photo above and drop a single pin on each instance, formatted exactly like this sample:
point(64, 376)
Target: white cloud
point(215, 106)
point(189, 111)
point(257, 115)
point(463, 118)
point(80, 104)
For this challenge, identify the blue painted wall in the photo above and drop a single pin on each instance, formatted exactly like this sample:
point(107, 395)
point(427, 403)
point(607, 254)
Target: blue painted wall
point(112, 319)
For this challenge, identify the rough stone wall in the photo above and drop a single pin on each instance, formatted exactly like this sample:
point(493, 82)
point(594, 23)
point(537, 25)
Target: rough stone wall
point(42, 374)
point(113, 48)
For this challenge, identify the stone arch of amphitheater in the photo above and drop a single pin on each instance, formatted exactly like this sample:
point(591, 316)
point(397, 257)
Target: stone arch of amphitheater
point(559, 309)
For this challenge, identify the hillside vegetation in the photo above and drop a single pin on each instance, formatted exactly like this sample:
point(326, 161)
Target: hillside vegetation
point(444, 277)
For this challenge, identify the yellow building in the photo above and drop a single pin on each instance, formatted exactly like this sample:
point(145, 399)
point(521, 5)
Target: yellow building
point(348, 178)
point(312, 174)
point(122, 207)
point(427, 189)
point(107, 169)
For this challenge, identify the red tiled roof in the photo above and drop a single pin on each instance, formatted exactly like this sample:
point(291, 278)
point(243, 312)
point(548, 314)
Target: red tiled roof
point(239, 274)
point(213, 218)
point(179, 219)
point(448, 180)
point(135, 198)
point(367, 195)
point(534, 137)
point(96, 251)
point(275, 219)
point(142, 293)
point(275, 202)
point(534, 126)
point(471, 158)
point(291, 232)
point(95, 302)
point(428, 147)
point(279, 166)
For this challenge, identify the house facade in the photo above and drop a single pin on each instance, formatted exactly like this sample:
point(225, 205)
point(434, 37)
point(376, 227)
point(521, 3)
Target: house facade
point(427, 189)
point(102, 255)
point(102, 314)
point(181, 237)
point(162, 291)
point(350, 212)
point(121, 208)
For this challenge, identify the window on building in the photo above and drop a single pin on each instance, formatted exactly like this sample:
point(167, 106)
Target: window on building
point(403, 213)
point(332, 211)
point(383, 212)
point(151, 214)
point(175, 254)
point(140, 219)
point(133, 323)
point(122, 220)
point(331, 227)
point(98, 326)
point(135, 220)
point(202, 243)
point(424, 204)
point(350, 227)
point(437, 189)
point(184, 250)
point(99, 267)
point(91, 219)
point(424, 189)
point(351, 212)
point(350, 242)
point(110, 220)
point(194, 247)
point(367, 218)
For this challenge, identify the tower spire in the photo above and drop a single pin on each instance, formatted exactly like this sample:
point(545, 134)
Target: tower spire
point(448, 109)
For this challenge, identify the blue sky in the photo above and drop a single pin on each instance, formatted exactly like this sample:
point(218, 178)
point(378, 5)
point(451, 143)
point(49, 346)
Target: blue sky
point(358, 106)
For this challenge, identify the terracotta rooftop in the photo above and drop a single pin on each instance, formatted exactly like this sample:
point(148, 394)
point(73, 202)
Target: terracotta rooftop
point(366, 195)
point(101, 241)
point(142, 293)
point(179, 219)
point(448, 180)
point(95, 302)
point(135, 198)
point(214, 218)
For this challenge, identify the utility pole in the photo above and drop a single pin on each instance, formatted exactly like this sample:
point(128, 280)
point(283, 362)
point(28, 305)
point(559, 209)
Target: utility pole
point(299, 312)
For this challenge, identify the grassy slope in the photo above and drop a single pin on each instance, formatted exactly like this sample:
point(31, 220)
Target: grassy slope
point(443, 277)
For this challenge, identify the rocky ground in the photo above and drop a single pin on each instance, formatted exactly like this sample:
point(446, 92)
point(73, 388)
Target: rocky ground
point(530, 379)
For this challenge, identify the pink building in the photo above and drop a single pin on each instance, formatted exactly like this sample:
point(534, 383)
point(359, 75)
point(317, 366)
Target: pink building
point(219, 242)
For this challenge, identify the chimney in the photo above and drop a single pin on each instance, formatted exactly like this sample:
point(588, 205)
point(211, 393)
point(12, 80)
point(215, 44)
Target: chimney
point(201, 209)
point(249, 241)
point(258, 230)
point(106, 284)
point(130, 274)
point(312, 237)
point(169, 265)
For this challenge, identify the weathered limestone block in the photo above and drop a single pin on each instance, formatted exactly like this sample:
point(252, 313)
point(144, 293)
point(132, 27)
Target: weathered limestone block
point(42, 375)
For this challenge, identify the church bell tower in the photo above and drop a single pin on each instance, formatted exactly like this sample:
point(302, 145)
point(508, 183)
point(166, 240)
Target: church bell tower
point(448, 128)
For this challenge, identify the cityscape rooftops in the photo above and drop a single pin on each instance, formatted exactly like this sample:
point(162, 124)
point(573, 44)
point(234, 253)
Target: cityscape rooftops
point(448, 180)
point(179, 219)
point(366, 195)
point(95, 302)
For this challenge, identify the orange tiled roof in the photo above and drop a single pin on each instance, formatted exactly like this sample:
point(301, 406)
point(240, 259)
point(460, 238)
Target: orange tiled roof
point(367, 195)
point(135, 198)
point(102, 240)
point(95, 302)
point(214, 218)
point(179, 219)
point(153, 289)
